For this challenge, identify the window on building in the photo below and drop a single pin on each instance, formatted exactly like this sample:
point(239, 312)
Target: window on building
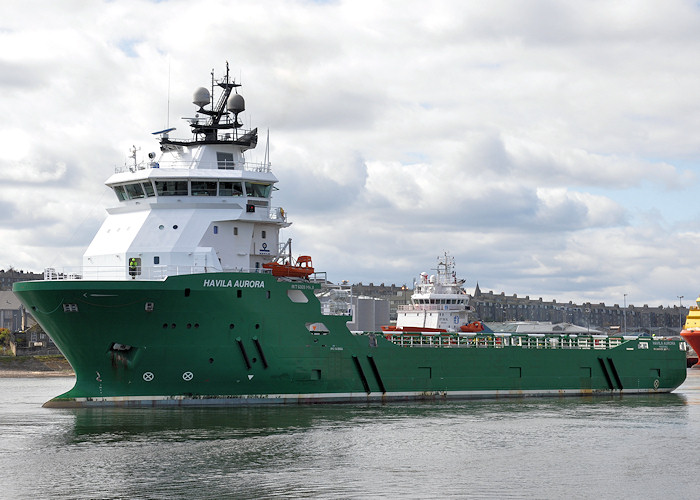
point(263, 234)
point(235, 231)
point(216, 229)
point(156, 259)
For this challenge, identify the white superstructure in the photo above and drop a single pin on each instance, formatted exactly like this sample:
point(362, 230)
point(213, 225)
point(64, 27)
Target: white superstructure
point(438, 303)
point(197, 206)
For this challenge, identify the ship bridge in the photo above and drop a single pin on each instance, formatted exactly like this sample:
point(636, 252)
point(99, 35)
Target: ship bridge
point(197, 206)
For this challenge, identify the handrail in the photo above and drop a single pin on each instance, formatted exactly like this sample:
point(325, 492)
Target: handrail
point(142, 272)
point(193, 165)
point(431, 307)
point(525, 341)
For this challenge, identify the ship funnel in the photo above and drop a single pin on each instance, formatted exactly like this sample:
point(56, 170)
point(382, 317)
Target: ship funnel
point(235, 103)
point(201, 97)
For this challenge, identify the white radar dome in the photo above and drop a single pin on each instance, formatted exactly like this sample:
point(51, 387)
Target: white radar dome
point(201, 97)
point(235, 103)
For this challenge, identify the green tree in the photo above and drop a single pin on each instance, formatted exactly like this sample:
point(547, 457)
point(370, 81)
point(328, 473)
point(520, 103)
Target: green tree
point(4, 340)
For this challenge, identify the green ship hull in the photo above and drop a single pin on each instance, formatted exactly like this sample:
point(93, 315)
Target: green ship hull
point(251, 338)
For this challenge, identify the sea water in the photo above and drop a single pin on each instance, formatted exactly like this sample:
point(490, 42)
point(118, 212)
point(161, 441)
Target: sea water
point(602, 447)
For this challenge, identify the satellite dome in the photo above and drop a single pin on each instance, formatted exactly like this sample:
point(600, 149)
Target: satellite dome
point(201, 97)
point(235, 103)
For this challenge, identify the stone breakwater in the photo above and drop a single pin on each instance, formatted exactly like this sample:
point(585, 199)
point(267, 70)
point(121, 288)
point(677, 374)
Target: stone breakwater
point(34, 366)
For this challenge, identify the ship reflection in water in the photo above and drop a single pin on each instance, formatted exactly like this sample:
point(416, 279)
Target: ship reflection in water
point(610, 447)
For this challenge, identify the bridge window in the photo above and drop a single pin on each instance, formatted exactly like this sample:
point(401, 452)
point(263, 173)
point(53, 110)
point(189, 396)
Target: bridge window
point(120, 192)
point(258, 190)
point(148, 189)
point(230, 189)
point(171, 188)
point(134, 191)
point(203, 188)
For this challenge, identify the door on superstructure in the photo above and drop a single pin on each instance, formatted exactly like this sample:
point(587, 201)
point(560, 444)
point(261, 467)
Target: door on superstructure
point(199, 264)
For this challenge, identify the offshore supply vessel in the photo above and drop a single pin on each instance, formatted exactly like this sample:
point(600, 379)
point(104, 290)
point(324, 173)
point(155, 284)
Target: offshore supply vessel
point(187, 296)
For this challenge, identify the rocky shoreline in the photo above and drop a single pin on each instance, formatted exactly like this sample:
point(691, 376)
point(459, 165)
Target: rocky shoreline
point(34, 366)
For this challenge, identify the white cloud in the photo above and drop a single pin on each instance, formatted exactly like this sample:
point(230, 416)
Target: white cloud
point(548, 145)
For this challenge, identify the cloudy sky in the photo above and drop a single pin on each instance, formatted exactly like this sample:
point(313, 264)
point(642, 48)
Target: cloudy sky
point(552, 147)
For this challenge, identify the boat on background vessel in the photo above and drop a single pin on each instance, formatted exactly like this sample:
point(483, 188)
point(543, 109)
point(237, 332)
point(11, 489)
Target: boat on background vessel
point(187, 297)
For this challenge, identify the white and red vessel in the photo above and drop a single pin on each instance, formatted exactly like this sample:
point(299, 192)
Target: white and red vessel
point(438, 304)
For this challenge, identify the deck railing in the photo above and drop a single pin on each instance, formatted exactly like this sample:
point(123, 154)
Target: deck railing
point(142, 272)
point(153, 273)
point(526, 341)
point(191, 164)
point(432, 307)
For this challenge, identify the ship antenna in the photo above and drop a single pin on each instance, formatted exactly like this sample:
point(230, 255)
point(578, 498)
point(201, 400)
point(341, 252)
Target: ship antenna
point(167, 119)
point(267, 150)
point(134, 149)
point(211, 101)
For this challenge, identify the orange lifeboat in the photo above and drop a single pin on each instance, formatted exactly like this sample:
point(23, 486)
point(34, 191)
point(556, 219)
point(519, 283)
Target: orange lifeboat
point(474, 326)
point(302, 269)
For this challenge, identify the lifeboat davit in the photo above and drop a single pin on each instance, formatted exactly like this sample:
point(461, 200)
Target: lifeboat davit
point(302, 269)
